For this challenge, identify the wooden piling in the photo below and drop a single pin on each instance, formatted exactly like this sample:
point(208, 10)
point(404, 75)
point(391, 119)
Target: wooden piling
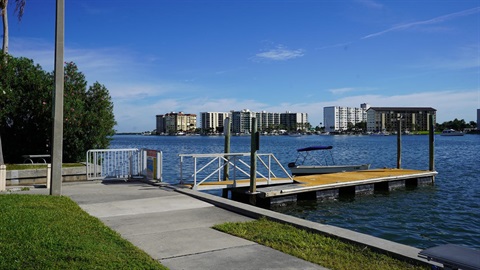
point(431, 143)
point(226, 131)
point(253, 161)
point(399, 143)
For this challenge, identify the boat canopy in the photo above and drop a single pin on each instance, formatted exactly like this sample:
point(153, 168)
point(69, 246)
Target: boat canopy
point(313, 148)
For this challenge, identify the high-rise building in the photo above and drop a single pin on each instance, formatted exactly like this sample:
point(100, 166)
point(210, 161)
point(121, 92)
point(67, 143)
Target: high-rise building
point(336, 118)
point(172, 123)
point(386, 118)
point(294, 121)
point(212, 122)
point(267, 120)
point(242, 121)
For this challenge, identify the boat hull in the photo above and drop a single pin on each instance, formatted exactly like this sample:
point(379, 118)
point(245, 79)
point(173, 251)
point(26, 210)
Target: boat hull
point(452, 132)
point(308, 170)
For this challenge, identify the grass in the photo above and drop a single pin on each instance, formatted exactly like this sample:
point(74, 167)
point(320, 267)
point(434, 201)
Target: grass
point(53, 232)
point(316, 248)
point(39, 166)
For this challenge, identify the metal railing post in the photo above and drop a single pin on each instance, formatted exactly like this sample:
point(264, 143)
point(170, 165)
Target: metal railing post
point(194, 171)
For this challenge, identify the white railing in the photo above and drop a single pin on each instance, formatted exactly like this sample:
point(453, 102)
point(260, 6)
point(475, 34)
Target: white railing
point(234, 163)
point(123, 164)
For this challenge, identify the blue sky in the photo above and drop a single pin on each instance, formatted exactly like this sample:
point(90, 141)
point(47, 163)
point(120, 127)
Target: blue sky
point(159, 56)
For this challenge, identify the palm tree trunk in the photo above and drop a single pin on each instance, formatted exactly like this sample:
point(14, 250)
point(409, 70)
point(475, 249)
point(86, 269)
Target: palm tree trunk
point(1, 153)
point(3, 5)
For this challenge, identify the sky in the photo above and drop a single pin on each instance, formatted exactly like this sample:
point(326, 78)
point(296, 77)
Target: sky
point(192, 56)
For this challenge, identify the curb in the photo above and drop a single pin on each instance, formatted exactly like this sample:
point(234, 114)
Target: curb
point(393, 249)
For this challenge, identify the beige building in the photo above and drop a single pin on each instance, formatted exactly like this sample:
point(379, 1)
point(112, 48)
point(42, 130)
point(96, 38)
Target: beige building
point(413, 118)
point(173, 123)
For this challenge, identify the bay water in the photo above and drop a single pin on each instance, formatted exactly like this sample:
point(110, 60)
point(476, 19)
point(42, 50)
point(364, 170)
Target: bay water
point(446, 212)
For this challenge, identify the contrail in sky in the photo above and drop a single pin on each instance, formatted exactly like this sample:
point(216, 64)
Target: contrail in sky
point(431, 21)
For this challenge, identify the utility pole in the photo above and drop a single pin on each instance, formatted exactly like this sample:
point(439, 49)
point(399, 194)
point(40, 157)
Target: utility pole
point(57, 134)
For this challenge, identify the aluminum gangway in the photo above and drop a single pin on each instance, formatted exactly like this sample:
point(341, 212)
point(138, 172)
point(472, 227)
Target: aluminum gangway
point(105, 164)
point(211, 169)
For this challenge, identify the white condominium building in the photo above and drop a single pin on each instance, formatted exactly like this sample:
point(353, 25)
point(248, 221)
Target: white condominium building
point(212, 122)
point(242, 120)
point(336, 118)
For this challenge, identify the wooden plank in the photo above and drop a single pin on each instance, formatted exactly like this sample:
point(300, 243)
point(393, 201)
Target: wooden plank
point(319, 182)
point(337, 180)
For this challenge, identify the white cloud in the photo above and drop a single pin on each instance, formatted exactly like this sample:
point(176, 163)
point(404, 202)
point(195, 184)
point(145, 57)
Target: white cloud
point(370, 4)
point(97, 64)
point(466, 57)
point(280, 53)
point(436, 20)
point(343, 45)
point(343, 90)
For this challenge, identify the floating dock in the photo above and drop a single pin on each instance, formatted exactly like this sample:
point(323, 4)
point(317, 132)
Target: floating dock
point(324, 186)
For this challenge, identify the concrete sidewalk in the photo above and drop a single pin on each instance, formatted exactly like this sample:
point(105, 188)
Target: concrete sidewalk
point(174, 228)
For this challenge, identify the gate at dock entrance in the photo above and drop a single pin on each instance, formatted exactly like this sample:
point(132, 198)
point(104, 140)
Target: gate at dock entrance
point(124, 164)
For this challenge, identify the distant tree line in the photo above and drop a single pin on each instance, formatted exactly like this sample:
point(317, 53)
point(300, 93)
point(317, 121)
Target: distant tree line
point(26, 104)
point(456, 124)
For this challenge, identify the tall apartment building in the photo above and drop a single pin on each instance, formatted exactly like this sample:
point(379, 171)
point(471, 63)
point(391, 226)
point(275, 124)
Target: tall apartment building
point(212, 121)
point(413, 118)
point(267, 120)
point(242, 120)
point(336, 118)
point(294, 121)
point(176, 122)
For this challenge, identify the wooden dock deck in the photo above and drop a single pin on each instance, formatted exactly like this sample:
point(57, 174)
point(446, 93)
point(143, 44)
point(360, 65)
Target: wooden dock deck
point(318, 182)
point(324, 186)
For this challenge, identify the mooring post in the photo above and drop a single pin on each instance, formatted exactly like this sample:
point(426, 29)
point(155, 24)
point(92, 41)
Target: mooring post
point(253, 161)
point(226, 131)
point(399, 142)
point(431, 143)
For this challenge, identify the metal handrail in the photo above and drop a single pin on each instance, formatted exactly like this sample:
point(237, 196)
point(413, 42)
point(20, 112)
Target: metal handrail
point(227, 160)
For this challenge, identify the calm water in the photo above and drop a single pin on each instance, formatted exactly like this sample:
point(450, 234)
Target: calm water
point(448, 212)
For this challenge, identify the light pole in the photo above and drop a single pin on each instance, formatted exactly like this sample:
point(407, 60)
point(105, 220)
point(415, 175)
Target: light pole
point(57, 133)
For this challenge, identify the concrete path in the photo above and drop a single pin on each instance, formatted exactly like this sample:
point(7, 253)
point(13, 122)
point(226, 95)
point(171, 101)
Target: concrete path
point(175, 228)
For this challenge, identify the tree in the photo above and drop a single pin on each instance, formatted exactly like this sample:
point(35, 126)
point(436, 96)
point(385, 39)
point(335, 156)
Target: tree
point(25, 107)
point(89, 118)
point(361, 126)
point(19, 8)
point(26, 111)
point(99, 118)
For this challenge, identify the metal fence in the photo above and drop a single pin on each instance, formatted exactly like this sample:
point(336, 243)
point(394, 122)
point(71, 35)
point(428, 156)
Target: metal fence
point(128, 163)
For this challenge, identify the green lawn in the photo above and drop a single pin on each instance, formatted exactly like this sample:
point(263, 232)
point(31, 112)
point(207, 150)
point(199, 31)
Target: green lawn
point(39, 166)
point(313, 247)
point(53, 232)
